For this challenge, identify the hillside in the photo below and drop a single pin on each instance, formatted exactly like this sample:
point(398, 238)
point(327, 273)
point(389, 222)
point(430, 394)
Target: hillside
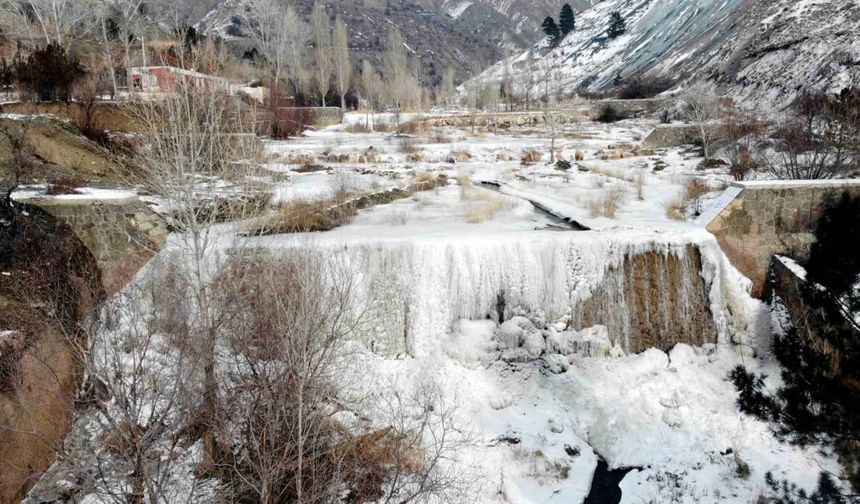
point(762, 50)
point(462, 35)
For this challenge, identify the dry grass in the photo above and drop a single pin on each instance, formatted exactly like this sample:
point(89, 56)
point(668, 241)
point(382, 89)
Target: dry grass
point(307, 216)
point(409, 145)
point(466, 187)
point(486, 207)
point(639, 184)
point(675, 208)
point(608, 204)
point(606, 171)
point(357, 127)
point(692, 192)
point(438, 136)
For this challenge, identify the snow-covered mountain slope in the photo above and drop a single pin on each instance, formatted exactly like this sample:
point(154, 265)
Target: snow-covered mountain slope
point(511, 24)
point(786, 47)
point(759, 49)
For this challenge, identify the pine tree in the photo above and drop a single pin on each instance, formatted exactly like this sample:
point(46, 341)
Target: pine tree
point(618, 80)
point(818, 402)
point(553, 34)
point(566, 21)
point(617, 26)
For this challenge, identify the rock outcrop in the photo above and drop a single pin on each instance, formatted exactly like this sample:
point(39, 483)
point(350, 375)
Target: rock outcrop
point(58, 143)
point(49, 284)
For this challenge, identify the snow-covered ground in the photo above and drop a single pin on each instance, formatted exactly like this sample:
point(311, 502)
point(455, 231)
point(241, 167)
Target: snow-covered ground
point(539, 418)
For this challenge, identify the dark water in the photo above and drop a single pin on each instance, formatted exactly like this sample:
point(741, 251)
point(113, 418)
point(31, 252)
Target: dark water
point(604, 486)
point(559, 223)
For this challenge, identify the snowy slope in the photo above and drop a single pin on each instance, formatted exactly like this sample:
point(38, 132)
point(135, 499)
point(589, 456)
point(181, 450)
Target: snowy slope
point(763, 50)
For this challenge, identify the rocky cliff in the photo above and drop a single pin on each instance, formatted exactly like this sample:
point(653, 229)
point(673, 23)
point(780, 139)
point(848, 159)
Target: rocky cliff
point(761, 51)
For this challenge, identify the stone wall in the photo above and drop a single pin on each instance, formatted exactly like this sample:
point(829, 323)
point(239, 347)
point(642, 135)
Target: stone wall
point(756, 220)
point(506, 119)
point(671, 135)
point(121, 234)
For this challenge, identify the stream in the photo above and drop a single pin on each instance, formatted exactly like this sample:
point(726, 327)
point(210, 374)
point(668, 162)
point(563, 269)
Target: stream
point(604, 485)
point(558, 222)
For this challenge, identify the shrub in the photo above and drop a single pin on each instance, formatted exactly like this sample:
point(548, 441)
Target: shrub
point(562, 165)
point(608, 204)
point(65, 185)
point(643, 88)
point(608, 114)
point(47, 74)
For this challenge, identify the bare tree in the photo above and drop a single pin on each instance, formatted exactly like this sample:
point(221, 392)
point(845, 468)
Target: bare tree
point(323, 57)
point(20, 161)
point(297, 43)
point(342, 63)
point(59, 21)
point(372, 85)
point(271, 28)
point(397, 72)
point(819, 141)
point(425, 420)
point(448, 85)
point(290, 317)
point(529, 81)
point(703, 112)
point(507, 85)
point(198, 157)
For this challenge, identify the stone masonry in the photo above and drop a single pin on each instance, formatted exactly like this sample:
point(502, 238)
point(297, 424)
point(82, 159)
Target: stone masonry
point(122, 234)
point(767, 218)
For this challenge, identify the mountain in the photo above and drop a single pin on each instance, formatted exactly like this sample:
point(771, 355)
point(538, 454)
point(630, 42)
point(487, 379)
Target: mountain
point(759, 50)
point(513, 25)
point(462, 34)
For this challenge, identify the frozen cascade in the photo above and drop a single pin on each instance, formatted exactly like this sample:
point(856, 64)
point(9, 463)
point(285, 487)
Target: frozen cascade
point(648, 289)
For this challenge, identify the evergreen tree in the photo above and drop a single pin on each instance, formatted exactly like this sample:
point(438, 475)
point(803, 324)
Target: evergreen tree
point(566, 21)
point(818, 402)
point(553, 34)
point(618, 80)
point(617, 26)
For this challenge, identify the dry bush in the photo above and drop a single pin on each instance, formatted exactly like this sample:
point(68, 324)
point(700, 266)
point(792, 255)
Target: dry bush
point(530, 157)
point(409, 145)
point(425, 181)
point(344, 184)
point(65, 185)
point(692, 193)
point(643, 88)
point(438, 136)
point(412, 128)
point(695, 188)
point(398, 217)
point(357, 127)
point(608, 204)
